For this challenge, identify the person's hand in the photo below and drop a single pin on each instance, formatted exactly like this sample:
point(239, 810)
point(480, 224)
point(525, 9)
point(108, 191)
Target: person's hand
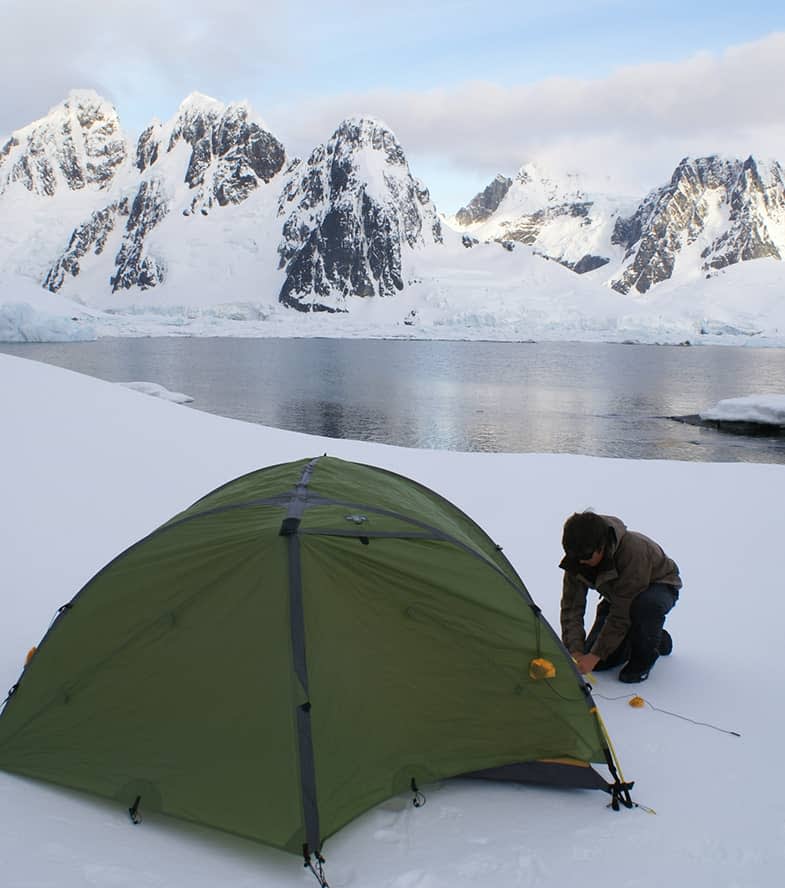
point(585, 662)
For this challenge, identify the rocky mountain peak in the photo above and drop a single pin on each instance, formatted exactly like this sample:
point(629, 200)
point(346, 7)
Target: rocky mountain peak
point(79, 143)
point(484, 204)
point(350, 211)
point(231, 153)
point(366, 132)
point(195, 118)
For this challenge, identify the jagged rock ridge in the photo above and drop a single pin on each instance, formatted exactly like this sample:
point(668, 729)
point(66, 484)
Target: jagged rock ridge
point(349, 213)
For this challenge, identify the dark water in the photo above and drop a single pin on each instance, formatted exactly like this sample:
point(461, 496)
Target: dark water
point(548, 397)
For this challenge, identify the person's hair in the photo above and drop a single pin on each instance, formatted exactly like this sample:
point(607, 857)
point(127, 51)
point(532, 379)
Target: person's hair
point(584, 533)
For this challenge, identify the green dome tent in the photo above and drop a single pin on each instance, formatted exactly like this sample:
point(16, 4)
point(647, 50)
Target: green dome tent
point(297, 646)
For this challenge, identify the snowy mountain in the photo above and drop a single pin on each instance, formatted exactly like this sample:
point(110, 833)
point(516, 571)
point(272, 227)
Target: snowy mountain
point(207, 214)
point(208, 155)
point(343, 220)
point(350, 213)
point(549, 213)
point(713, 213)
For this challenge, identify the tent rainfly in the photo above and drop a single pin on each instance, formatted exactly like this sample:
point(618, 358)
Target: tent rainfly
point(299, 645)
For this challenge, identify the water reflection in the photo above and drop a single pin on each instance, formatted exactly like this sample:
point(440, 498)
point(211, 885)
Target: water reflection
point(604, 400)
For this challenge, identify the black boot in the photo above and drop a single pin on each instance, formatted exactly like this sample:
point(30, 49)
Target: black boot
point(636, 671)
point(666, 643)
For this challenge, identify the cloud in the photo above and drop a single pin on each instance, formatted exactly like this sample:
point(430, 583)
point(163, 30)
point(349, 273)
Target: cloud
point(138, 53)
point(625, 131)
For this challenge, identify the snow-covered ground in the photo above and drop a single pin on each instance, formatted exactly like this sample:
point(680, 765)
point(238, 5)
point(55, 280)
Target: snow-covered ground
point(458, 294)
point(90, 467)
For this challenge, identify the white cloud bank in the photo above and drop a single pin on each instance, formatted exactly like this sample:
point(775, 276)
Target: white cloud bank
point(624, 132)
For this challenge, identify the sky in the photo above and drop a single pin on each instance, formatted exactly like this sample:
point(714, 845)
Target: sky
point(119, 469)
point(614, 90)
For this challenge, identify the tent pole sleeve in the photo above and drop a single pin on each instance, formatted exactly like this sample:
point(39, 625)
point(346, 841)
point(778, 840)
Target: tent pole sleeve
point(289, 530)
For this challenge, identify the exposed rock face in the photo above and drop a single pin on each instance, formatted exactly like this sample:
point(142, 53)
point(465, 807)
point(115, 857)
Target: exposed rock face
point(231, 154)
point(482, 205)
point(135, 267)
point(729, 209)
point(350, 212)
point(587, 263)
point(87, 238)
point(79, 143)
point(133, 264)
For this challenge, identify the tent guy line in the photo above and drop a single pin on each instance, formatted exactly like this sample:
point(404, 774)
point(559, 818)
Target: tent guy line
point(633, 702)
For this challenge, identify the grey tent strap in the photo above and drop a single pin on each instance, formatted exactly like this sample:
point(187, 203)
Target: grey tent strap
point(290, 531)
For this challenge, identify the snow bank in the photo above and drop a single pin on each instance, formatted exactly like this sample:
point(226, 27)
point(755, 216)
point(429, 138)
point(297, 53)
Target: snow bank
point(765, 409)
point(157, 391)
point(21, 322)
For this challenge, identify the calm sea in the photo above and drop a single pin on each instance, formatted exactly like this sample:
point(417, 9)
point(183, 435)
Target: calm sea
point(544, 397)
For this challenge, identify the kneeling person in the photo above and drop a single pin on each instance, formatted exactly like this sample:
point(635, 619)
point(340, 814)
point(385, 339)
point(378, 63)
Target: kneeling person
point(638, 585)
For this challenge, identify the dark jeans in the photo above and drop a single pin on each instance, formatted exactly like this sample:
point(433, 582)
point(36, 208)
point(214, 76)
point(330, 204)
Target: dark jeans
point(641, 645)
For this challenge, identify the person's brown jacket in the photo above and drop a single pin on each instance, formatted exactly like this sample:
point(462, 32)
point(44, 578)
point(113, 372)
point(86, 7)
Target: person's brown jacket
point(632, 562)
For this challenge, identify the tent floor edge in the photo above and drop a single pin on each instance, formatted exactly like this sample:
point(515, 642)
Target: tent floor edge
point(564, 773)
